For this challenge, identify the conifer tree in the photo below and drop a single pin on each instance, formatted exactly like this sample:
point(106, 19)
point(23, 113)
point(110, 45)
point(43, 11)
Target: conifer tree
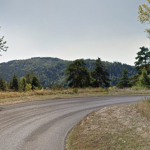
point(2, 84)
point(15, 83)
point(143, 59)
point(77, 74)
point(100, 75)
point(124, 80)
point(35, 82)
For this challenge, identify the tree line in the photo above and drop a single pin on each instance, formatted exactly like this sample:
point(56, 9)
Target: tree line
point(79, 76)
point(142, 78)
point(26, 83)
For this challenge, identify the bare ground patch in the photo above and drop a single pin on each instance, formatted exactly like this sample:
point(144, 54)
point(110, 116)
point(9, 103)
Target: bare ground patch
point(120, 127)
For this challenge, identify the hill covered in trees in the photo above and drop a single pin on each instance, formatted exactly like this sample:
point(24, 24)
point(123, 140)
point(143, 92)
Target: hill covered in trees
point(51, 70)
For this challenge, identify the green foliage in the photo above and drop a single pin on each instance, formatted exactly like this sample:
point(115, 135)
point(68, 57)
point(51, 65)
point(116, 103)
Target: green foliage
point(52, 70)
point(143, 59)
point(75, 90)
point(57, 86)
point(144, 14)
point(29, 77)
point(35, 83)
point(77, 74)
point(28, 87)
point(23, 84)
point(124, 80)
point(2, 84)
point(144, 79)
point(133, 80)
point(3, 46)
point(15, 83)
point(100, 75)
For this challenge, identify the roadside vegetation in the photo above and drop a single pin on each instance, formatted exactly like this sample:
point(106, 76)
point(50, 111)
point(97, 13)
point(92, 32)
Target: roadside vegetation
point(47, 94)
point(80, 82)
point(9, 97)
point(118, 127)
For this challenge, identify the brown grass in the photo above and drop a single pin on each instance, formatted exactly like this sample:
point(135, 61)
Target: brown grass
point(128, 91)
point(15, 97)
point(119, 127)
point(143, 107)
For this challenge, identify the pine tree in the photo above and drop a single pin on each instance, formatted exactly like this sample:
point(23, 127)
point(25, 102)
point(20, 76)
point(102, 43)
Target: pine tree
point(35, 83)
point(100, 75)
point(124, 80)
point(143, 59)
point(2, 84)
point(15, 83)
point(77, 74)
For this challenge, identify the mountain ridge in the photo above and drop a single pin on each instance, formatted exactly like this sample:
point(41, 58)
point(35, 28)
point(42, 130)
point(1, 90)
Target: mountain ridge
point(51, 70)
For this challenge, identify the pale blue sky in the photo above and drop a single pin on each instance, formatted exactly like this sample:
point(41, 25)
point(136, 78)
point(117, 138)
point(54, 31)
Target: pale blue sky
point(72, 29)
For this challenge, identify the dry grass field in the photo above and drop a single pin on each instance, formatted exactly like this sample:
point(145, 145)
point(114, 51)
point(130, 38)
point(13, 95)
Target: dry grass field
point(15, 97)
point(120, 127)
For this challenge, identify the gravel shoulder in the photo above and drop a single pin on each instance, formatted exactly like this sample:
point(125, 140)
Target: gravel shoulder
point(111, 128)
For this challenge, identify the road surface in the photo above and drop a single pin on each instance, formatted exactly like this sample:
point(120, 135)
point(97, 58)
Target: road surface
point(43, 125)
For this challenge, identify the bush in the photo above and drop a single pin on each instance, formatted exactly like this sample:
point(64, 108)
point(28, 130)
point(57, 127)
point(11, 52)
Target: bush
point(75, 90)
point(28, 87)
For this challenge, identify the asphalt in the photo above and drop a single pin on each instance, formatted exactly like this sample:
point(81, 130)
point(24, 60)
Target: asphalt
point(43, 125)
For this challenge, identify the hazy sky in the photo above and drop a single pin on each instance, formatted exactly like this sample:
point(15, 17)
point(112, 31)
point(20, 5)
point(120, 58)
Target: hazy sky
point(72, 29)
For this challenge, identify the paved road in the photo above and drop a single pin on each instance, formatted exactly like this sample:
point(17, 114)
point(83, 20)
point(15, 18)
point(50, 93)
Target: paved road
point(43, 125)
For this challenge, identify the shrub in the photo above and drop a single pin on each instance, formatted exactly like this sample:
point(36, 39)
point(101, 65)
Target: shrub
point(28, 87)
point(75, 90)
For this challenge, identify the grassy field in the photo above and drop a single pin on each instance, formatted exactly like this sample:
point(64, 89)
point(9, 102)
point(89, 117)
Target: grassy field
point(15, 97)
point(120, 127)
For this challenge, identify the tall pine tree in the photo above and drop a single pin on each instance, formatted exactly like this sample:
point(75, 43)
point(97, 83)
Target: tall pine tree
point(100, 75)
point(2, 84)
point(143, 59)
point(77, 74)
point(15, 83)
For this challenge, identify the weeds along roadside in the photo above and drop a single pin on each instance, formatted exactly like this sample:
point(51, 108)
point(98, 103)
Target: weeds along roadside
point(13, 97)
point(123, 126)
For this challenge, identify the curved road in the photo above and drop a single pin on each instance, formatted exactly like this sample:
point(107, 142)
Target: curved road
point(43, 125)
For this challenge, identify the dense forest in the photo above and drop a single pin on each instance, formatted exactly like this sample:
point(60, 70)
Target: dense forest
point(52, 70)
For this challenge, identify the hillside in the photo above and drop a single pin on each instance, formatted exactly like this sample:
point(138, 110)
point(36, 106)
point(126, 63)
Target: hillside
point(52, 69)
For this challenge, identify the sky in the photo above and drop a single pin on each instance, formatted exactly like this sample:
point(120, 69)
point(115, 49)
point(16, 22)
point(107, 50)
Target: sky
point(72, 29)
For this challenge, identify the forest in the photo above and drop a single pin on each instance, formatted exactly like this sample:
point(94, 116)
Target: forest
point(52, 70)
